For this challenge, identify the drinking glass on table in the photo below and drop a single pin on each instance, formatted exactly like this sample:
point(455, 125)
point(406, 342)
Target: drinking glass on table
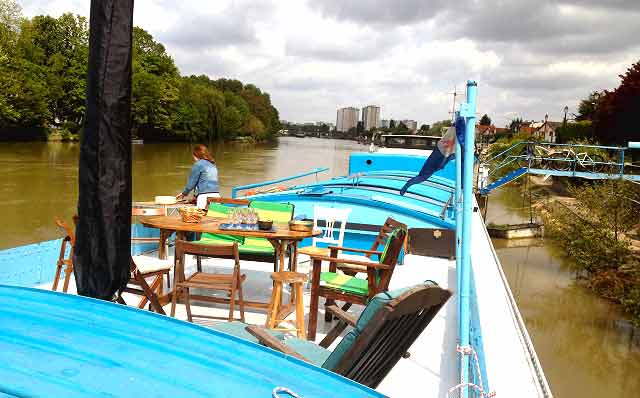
point(235, 217)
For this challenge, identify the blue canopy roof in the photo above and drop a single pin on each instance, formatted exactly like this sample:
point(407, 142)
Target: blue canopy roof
point(59, 345)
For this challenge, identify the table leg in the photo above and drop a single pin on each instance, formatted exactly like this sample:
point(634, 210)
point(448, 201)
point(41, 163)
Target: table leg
point(313, 308)
point(162, 247)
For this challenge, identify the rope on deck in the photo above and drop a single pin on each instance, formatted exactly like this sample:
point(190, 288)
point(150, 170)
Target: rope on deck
point(468, 350)
point(278, 390)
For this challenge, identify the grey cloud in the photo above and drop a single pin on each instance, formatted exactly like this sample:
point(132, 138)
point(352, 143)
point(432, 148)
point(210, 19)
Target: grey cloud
point(385, 12)
point(545, 27)
point(234, 26)
point(366, 45)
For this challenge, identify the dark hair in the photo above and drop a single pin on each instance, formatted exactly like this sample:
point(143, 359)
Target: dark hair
point(202, 152)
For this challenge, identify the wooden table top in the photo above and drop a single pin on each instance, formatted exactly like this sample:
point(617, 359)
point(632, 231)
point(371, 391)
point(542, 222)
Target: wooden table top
point(211, 225)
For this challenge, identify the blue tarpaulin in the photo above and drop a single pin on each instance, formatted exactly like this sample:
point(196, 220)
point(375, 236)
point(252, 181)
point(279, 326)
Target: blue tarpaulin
point(60, 345)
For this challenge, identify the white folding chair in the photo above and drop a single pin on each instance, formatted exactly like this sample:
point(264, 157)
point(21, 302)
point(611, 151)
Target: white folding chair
point(332, 218)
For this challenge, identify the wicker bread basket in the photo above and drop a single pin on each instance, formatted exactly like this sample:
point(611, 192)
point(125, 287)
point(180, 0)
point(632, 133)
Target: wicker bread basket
point(191, 214)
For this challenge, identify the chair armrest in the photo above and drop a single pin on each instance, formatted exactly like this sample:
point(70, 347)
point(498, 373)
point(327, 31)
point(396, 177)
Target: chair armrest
point(267, 339)
point(338, 260)
point(350, 249)
point(342, 315)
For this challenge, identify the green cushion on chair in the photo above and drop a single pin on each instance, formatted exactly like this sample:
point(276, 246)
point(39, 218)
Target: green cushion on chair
point(345, 283)
point(313, 352)
point(373, 306)
point(253, 245)
point(390, 238)
point(276, 212)
point(237, 329)
point(218, 210)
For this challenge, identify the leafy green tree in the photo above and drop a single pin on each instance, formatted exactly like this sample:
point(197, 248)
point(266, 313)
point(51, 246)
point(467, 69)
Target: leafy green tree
point(43, 69)
point(155, 90)
point(424, 129)
point(437, 127)
point(514, 125)
point(616, 116)
point(485, 120)
point(589, 106)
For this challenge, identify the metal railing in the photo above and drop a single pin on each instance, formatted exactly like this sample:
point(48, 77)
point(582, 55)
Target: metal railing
point(235, 190)
point(564, 157)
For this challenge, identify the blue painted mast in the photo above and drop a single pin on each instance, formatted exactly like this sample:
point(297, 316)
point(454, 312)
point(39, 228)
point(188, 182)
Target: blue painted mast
point(467, 111)
point(458, 210)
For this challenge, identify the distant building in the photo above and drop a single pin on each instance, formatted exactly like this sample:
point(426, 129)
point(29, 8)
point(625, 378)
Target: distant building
point(347, 119)
point(384, 123)
point(545, 130)
point(412, 125)
point(371, 117)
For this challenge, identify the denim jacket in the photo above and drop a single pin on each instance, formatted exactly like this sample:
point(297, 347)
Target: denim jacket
point(203, 177)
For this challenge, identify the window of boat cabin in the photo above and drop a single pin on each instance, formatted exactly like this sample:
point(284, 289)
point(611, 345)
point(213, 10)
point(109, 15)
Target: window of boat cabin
point(415, 142)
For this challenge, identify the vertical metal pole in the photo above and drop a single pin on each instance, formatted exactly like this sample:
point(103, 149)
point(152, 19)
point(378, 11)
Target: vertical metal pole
point(467, 208)
point(458, 208)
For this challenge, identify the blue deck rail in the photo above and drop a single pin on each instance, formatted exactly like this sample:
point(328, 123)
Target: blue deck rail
point(235, 190)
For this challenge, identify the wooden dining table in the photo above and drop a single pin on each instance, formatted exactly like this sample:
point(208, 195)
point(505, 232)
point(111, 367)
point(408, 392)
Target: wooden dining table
point(281, 237)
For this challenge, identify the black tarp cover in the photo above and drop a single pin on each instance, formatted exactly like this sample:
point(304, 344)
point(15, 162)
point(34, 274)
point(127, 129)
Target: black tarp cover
point(103, 242)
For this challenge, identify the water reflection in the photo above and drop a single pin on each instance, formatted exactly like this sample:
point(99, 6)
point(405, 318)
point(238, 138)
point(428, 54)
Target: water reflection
point(39, 180)
point(586, 346)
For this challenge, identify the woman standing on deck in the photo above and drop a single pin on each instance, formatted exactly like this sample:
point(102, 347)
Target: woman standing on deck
point(203, 177)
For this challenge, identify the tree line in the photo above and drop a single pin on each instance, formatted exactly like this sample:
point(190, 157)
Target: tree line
point(43, 70)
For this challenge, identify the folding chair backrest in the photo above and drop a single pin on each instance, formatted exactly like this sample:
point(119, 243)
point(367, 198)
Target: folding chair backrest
point(198, 249)
point(220, 207)
point(70, 231)
point(331, 216)
point(390, 255)
point(387, 327)
point(383, 236)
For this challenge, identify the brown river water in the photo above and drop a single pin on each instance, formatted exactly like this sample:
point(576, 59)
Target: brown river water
point(586, 347)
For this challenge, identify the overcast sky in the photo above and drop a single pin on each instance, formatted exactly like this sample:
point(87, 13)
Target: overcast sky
point(529, 57)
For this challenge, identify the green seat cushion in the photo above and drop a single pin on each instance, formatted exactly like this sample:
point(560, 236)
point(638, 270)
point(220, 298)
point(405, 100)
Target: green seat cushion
point(313, 352)
point(253, 245)
point(373, 306)
point(218, 210)
point(215, 239)
point(237, 328)
point(276, 212)
point(390, 238)
point(345, 283)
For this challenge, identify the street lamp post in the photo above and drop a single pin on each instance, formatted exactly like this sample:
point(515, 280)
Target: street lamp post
point(564, 122)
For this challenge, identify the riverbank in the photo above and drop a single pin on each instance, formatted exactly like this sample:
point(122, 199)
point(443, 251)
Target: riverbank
point(587, 347)
point(595, 230)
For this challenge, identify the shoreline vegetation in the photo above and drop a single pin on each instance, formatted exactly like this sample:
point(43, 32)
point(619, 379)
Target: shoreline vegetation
point(596, 224)
point(43, 69)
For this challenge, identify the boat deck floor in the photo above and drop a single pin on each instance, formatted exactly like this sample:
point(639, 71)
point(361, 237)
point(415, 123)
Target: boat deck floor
point(431, 368)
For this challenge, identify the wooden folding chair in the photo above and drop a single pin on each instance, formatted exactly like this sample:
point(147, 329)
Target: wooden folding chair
point(149, 292)
point(69, 241)
point(230, 283)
